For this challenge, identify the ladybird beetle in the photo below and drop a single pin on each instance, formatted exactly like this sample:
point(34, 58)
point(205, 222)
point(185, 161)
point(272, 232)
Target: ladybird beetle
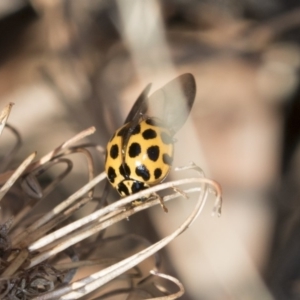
point(140, 153)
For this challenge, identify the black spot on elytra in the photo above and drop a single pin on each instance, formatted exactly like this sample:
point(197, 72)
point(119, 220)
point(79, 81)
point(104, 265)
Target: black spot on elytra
point(124, 170)
point(122, 189)
point(166, 138)
point(151, 122)
point(167, 159)
point(134, 150)
point(149, 134)
point(114, 151)
point(137, 129)
point(153, 153)
point(157, 173)
point(143, 172)
point(155, 122)
point(111, 174)
point(137, 186)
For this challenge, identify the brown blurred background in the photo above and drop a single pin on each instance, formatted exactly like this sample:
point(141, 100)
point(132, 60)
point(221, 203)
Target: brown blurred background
point(68, 65)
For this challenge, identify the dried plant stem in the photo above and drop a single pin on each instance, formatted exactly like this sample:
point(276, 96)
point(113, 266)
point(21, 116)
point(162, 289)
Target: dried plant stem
point(41, 231)
point(16, 263)
point(63, 146)
point(26, 209)
point(16, 174)
point(90, 231)
point(120, 205)
point(170, 278)
point(73, 239)
point(88, 284)
point(7, 158)
point(52, 154)
point(4, 116)
point(85, 263)
point(59, 208)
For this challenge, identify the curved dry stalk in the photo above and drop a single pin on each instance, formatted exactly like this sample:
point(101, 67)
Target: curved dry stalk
point(59, 208)
point(218, 202)
point(16, 174)
point(4, 115)
point(86, 285)
point(174, 280)
point(7, 158)
point(31, 185)
point(90, 162)
point(71, 239)
point(41, 231)
point(66, 230)
point(54, 153)
point(18, 218)
point(63, 146)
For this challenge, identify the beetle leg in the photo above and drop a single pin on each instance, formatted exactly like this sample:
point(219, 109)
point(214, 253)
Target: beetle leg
point(161, 200)
point(181, 192)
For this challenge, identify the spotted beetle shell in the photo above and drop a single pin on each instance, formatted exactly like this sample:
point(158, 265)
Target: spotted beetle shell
point(144, 162)
point(140, 153)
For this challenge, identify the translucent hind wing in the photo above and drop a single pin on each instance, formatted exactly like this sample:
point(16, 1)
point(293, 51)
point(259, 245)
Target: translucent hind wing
point(173, 102)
